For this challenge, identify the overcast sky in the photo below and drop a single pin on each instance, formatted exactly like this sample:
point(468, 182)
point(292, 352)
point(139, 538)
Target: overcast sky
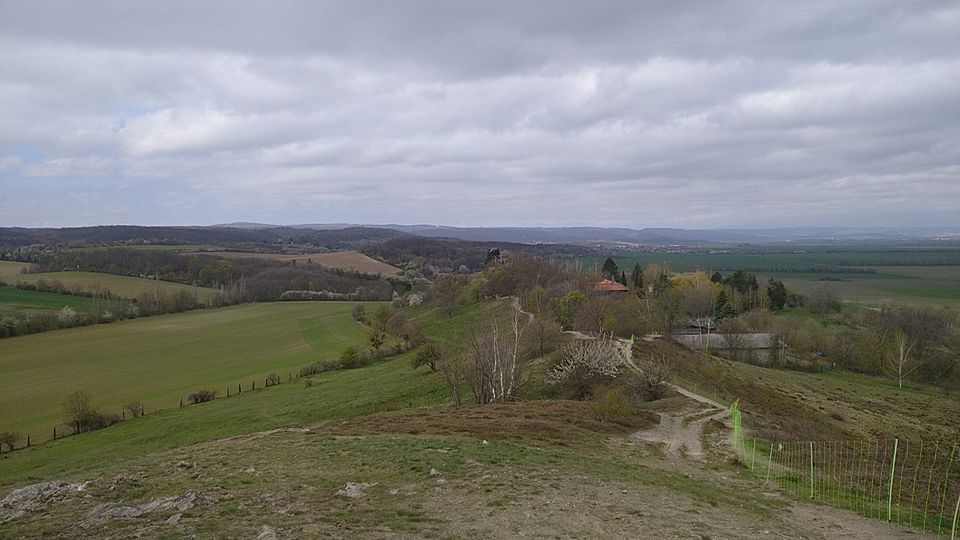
point(638, 114)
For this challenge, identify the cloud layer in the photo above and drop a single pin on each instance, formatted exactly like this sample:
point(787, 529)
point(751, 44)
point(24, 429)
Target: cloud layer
point(481, 113)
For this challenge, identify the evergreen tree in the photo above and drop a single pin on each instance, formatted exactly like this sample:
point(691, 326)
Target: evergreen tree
point(777, 293)
point(610, 269)
point(721, 307)
point(623, 279)
point(636, 277)
point(717, 277)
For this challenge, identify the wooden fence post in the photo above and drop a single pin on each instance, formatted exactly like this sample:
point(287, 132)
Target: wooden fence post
point(239, 390)
point(253, 385)
point(28, 440)
point(141, 410)
point(181, 401)
point(78, 426)
point(54, 433)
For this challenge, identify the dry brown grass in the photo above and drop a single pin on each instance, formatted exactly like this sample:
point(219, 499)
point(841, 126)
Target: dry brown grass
point(346, 260)
point(556, 422)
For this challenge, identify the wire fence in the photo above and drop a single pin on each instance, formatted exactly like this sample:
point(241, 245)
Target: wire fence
point(914, 483)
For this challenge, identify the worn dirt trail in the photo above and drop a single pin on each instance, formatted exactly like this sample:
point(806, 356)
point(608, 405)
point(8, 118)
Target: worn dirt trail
point(681, 434)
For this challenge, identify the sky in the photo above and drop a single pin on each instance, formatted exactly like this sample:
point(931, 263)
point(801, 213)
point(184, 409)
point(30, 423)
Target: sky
point(568, 113)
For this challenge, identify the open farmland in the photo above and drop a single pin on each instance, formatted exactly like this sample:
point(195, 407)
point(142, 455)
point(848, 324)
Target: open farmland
point(894, 285)
point(125, 286)
point(345, 260)
point(18, 302)
point(159, 359)
point(929, 278)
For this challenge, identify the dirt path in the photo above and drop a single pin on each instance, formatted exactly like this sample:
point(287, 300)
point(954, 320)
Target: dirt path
point(681, 435)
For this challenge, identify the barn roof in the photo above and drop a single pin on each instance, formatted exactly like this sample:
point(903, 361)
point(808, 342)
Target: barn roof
point(608, 285)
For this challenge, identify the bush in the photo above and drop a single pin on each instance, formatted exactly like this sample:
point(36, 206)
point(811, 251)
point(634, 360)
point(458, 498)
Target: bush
point(360, 313)
point(8, 439)
point(272, 379)
point(316, 368)
point(202, 396)
point(611, 405)
point(79, 410)
point(135, 408)
point(307, 383)
point(649, 384)
point(350, 357)
point(428, 355)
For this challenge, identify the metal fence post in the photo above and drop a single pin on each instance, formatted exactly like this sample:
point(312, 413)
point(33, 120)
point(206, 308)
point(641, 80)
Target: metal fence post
point(769, 461)
point(956, 511)
point(811, 469)
point(893, 468)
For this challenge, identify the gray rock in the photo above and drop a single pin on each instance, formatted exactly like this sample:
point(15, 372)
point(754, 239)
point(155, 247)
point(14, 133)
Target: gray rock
point(267, 533)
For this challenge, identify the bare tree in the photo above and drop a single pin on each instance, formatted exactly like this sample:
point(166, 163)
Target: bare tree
point(734, 338)
point(451, 367)
point(79, 410)
point(699, 303)
point(585, 363)
point(902, 362)
point(494, 360)
point(542, 336)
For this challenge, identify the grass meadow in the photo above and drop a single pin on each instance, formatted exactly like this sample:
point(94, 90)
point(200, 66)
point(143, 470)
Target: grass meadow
point(18, 302)
point(125, 286)
point(159, 359)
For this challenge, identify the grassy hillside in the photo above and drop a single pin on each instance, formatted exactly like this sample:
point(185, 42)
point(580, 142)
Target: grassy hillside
point(795, 406)
point(346, 260)
point(159, 359)
point(546, 468)
point(126, 286)
point(18, 302)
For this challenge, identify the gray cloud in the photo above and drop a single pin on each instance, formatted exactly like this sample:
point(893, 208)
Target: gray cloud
point(536, 113)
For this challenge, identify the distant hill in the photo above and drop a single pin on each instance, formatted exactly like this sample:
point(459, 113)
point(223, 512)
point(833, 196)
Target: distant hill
point(334, 239)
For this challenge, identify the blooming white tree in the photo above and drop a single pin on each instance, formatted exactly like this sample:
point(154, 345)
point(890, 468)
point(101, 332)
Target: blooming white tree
point(584, 363)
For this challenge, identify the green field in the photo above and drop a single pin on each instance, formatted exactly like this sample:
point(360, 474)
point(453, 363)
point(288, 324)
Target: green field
point(800, 261)
point(929, 278)
point(157, 360)
point(19, 302)
point(125, 286)
point(892, 285)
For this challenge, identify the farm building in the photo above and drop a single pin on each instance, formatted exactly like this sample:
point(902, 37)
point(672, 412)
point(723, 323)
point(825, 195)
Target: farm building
point(610, 286)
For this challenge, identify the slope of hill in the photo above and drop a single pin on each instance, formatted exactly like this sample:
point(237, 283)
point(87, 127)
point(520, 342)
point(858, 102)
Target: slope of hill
point(158, 360)
point(376, 452)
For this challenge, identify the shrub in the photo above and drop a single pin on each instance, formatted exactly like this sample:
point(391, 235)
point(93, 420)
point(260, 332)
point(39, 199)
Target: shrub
point(8, 439)
point(649, 384)
point(307, 383)
point(135, 408)
point(202, 396)
point(611, 405)
point(428, 355)
point(272, 379)
point(317, 367)
point(360, 313)
point(79, 410)
point(350, 357)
